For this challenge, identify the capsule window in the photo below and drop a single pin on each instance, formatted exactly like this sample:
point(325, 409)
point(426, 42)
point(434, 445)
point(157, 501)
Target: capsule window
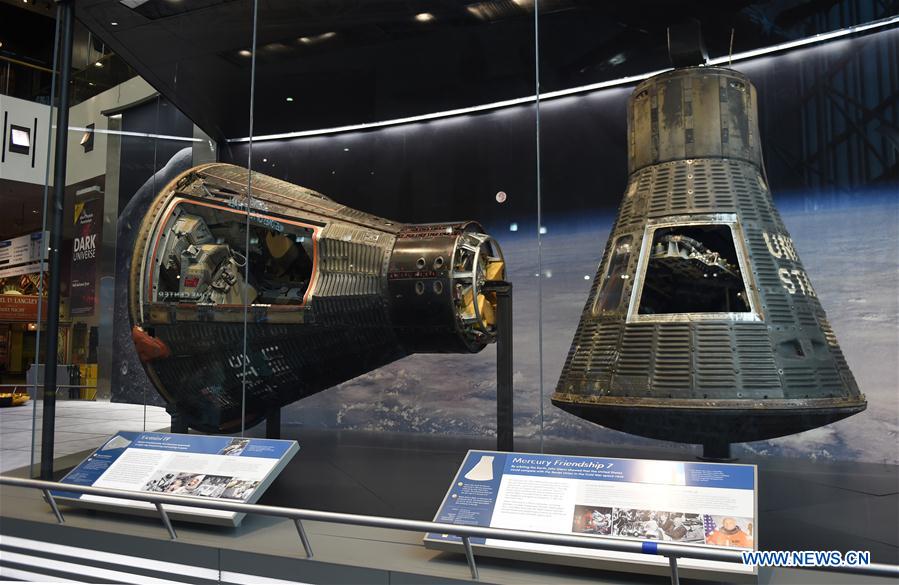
point(202, 258)
point(612, 287)
point(692, 269)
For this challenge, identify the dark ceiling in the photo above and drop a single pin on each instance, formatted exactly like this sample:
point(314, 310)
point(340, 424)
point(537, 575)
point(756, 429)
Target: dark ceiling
point(354, 61)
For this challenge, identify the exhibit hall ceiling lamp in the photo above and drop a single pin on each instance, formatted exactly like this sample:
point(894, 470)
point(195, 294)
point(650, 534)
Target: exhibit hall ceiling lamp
point(702, 325)
point(333, 293)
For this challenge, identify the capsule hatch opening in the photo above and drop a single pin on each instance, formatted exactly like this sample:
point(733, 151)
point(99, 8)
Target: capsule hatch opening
point(202, 258)
point(692, 270)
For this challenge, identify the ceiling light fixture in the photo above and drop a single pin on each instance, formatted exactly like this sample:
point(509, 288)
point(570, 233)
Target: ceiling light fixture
point(484, 11)
point(813, 40)
point(98, 64)
point(114, 24)
point(317, 38)
point(424, 17)
point(289, 99)
point(245, 53)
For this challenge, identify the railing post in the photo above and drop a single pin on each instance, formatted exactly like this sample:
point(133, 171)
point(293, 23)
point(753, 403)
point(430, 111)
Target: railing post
point(166, 521)
point(49, 499)
point(469, 556)
point(304, 540)
point(672, 562)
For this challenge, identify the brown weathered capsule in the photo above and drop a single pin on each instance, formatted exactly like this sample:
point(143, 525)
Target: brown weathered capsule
point(702, 325)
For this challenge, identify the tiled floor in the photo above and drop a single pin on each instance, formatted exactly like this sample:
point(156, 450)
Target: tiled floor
point(80, 425)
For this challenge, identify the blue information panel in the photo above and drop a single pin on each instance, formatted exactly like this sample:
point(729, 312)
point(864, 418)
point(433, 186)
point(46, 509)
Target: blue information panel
point(706, 504)
point(201, 466)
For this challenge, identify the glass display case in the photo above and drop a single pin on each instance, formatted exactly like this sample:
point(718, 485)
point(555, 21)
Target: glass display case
point(298, 219)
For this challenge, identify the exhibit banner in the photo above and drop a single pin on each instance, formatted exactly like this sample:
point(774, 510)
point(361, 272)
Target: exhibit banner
point(84, 258)
point(705, 504)
point(200, 466)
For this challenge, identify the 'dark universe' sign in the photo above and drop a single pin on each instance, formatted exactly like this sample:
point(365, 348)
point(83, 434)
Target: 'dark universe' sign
point(84, 258)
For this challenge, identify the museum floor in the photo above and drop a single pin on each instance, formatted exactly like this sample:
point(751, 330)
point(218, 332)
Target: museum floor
point(802, 505)
point(80, 425)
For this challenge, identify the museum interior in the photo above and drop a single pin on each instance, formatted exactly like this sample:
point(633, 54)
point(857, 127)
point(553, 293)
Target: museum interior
point(443, 291)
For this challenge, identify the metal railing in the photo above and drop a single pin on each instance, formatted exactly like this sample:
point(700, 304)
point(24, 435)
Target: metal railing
point(672, 551)
point(26, 385)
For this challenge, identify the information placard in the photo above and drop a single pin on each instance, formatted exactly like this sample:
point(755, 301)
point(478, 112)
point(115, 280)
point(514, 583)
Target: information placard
point(24, 249)
point(706, 504)
point(200, 466)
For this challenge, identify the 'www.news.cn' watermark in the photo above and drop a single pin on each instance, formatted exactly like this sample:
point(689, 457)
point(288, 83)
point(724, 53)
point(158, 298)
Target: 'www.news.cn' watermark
point(807, 558)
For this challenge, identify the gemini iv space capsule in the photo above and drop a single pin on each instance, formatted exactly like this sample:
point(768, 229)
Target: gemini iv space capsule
point(702, 325)
point(332, 293)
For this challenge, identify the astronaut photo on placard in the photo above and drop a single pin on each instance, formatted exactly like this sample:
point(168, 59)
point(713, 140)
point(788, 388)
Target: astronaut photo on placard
point(235, 447)
point(592, 520)
point(728, 531)
point(635, 524)
point(238, 489)
point(159, 482)
point(681, 527)
point(212, 486)
point(185, 484)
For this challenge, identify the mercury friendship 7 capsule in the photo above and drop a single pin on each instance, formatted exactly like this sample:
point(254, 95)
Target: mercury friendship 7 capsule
point(702, 325)
point(331, 293)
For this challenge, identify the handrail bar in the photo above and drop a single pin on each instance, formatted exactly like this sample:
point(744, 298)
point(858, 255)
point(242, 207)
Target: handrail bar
point(599, 542)
point(664, 549)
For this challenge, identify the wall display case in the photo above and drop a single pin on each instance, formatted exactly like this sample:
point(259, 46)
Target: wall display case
point(302, 214)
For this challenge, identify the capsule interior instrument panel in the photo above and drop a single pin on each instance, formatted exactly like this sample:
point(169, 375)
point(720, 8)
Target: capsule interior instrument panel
point(332, 293)
point(702, 325)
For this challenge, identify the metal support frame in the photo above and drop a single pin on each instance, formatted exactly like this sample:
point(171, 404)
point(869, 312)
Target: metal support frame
point(671, 550)
point(675, 578)
point(304, 540)
point(179, 423)
point(273, 423)
point(48, 497)
point(166, 521)
point(48, 431)
point(716, 451)
point(826, 102)
point(505, 426)
point(469, 556)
